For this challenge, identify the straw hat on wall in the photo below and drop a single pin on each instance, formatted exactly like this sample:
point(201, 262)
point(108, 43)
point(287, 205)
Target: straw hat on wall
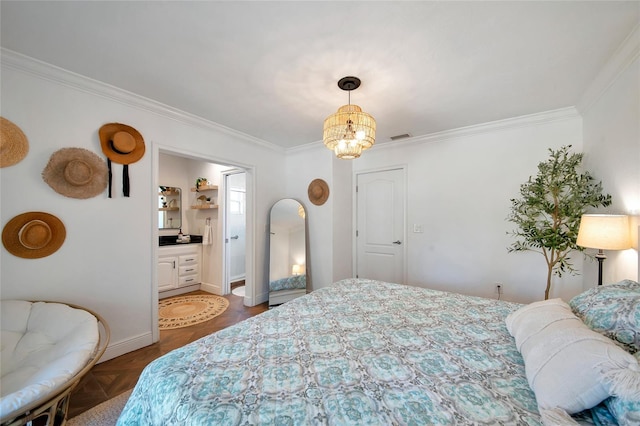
point(33, 235)
point(14, 145)
point(76, 173)
point(121, 144)
point(318, 192)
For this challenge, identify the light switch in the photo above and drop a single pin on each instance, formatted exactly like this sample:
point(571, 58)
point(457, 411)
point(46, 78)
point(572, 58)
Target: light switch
point(417, 228)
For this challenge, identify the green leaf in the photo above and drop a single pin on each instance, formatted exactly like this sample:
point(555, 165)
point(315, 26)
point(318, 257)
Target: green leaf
point(548, 212)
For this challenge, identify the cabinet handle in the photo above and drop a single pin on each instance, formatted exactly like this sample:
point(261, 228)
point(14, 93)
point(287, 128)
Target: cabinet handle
point(174, 264)
point(189, 260)
point(189, 270)
point(190, 279)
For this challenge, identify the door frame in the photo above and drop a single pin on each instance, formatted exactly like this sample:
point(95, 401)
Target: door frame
point(250, 298)
point(226, 257)
point(354, 220)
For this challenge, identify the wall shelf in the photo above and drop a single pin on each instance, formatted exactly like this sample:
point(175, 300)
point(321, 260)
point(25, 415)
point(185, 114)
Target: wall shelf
point(168, 209)
point(205, 206)
point(205, 188)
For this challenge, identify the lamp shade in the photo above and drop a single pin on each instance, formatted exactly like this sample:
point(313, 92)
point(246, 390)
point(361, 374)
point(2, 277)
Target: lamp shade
point(296, 269)
point(604, 231)
point(349, 131)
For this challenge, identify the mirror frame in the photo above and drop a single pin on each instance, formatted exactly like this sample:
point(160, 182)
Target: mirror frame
point(169, 206)
point(290, 281)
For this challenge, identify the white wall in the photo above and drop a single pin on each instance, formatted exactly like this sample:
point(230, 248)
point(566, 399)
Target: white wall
point(611, 111)
point(303, 166)
point(106, 262)
point(279, 253)
point(459, 188)
point(297, 247)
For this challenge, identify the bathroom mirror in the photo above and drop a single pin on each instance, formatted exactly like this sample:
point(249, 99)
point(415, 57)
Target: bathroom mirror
point(287, 251)
point(169, 203)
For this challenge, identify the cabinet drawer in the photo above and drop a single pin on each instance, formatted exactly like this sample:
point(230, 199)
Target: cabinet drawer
point(188, 270)
point(188, 259)
point(188, 279)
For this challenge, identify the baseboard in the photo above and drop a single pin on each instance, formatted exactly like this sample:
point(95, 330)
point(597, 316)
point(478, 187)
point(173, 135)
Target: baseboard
point(261, 298)
point(178, 291)
point(211, 288)
point(124, 347)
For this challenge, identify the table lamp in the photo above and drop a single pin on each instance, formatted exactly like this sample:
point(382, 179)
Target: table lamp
point(296, 269)
point(604, 232)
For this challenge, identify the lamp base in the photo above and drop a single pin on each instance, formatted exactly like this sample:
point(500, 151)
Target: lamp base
point(600, 257)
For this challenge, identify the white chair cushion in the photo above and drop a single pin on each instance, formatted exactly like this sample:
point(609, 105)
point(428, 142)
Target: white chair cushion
point(42, 346)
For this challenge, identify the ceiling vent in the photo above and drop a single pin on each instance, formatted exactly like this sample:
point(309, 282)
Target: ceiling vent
point(404, 136)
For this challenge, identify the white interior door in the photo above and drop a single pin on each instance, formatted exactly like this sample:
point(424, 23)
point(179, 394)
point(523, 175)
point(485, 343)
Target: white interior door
point(235, 232)
point(380, 227)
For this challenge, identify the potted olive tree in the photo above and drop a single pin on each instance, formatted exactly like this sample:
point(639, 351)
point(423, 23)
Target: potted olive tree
point(549, 209)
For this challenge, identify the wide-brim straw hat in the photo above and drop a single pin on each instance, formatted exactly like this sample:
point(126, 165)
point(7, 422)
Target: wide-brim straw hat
point(76, 173)
point(318, 192)
point(14, 145)
point(122, 144)
point(33, 235)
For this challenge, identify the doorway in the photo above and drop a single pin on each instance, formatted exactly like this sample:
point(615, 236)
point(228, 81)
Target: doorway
point(183, 172)
point(234, 227)
point(380, 225)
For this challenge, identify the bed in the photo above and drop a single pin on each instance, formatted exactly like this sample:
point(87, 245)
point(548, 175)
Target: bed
point(358, 352)
point(288, 288)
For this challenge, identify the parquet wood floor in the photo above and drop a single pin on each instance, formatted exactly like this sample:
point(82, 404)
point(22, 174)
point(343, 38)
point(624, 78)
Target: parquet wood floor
point(110, 378)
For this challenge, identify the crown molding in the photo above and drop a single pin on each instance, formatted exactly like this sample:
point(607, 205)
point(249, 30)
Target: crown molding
point(544, 117)
point(49, 72)
point(311, 146)
point(625, 55)
point(43, 70)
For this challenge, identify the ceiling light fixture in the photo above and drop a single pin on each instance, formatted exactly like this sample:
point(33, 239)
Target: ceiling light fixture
point(349, 131)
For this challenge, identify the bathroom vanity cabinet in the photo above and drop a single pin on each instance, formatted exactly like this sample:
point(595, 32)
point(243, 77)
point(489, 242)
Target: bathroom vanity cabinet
point(178, 269)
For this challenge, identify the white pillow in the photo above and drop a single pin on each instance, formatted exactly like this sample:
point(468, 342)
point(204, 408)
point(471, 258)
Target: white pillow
point(569, 366)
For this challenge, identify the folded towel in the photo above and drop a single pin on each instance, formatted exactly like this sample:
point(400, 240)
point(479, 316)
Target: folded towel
point(207, 236)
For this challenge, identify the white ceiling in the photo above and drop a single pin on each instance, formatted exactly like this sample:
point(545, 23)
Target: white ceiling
point(270, 69)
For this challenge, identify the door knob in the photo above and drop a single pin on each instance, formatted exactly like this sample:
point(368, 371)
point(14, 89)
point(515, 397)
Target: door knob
point(397, 242)
point(235, 237)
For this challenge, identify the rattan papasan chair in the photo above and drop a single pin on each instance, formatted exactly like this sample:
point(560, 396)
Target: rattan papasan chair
point(46, 348)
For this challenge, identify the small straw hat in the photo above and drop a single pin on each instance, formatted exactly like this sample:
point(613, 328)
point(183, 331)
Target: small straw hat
point(14, 145)
point(318, 192)
point(122, 144)
point(33, 235)
point(76, 173)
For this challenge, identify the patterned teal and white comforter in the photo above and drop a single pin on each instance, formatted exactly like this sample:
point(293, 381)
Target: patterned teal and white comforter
point(289, 283)
point(360, 352)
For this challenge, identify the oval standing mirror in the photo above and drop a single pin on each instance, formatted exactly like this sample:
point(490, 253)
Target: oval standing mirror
point(287, 251)
point(169, 202)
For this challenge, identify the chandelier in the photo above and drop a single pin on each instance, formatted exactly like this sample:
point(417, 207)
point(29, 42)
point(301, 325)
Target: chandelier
point(349, 131)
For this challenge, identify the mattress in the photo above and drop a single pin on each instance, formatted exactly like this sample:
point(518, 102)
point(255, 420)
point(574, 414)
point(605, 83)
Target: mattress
point(357, 352)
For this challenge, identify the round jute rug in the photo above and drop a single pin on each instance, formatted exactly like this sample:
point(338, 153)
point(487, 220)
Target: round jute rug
point(183, 311)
